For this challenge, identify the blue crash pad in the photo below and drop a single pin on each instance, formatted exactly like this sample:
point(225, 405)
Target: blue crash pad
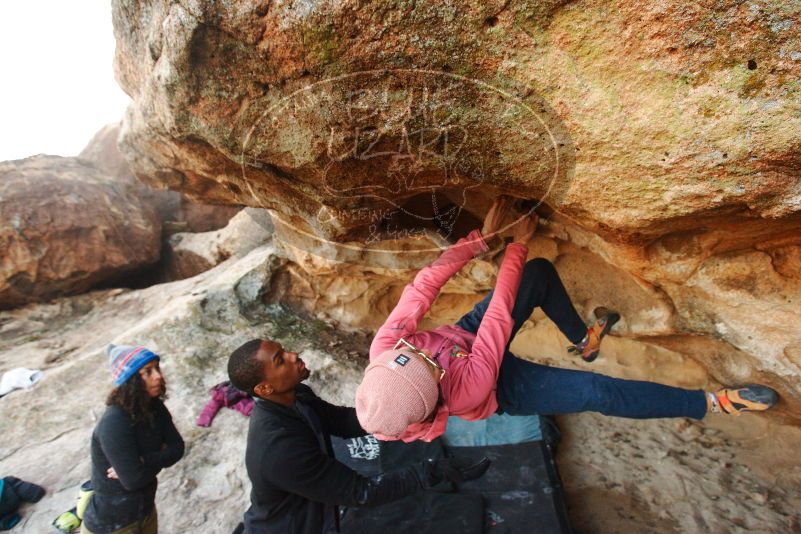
point(502, 429)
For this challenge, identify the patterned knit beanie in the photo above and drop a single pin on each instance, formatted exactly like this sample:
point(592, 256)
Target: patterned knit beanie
point(125, 361)
point(397, 390)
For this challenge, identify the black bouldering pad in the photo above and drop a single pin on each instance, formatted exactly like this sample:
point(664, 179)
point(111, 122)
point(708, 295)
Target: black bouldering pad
point(522, 490)
point(427, 511)
point(520, 493)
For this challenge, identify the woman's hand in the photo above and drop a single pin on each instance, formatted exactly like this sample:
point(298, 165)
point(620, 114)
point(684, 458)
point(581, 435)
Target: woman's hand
point(524, 229)
point(495, 216)
point(112, 474)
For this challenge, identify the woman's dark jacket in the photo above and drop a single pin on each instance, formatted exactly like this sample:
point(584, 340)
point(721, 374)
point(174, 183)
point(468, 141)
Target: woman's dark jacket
point(297, 483)
point(137, 452)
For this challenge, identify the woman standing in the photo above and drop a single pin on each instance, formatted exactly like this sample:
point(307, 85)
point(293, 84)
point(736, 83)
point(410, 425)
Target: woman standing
point(134, 440)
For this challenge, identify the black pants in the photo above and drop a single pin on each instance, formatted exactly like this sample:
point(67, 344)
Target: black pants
point(527, 388)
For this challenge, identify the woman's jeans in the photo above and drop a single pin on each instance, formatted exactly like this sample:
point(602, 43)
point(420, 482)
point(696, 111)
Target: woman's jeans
point(526, 388)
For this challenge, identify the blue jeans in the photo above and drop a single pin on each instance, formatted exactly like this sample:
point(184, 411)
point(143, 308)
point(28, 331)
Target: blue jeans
point(526, 388)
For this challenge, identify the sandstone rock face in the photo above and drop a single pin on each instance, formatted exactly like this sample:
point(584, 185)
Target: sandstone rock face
point(636, 120)
point(65, 227)
point(172, 207)
point(194, 217)
point(188, 254)
point(102, 151)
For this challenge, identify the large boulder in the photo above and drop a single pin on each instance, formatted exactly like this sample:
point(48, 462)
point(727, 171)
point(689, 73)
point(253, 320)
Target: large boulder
point(636, 120)
point(66, 227)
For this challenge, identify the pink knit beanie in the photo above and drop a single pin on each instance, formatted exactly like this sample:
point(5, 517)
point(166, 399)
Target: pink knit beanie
point(397, 390)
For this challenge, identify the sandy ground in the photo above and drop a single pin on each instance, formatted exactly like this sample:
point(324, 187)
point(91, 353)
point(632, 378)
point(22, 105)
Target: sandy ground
point(721, 475)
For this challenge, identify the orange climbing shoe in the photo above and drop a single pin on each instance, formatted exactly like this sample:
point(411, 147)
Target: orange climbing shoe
point(590, 346)
point(750, 398)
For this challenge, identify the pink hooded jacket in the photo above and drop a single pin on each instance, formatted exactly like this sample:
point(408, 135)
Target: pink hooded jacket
point(471, 361)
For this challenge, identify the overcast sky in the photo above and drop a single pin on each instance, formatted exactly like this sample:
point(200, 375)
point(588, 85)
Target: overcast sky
point(57, 83)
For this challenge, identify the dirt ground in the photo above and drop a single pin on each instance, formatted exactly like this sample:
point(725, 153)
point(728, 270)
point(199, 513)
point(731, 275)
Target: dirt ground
point(721, 475)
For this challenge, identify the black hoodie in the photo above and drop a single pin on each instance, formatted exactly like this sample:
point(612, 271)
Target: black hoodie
point(297, 483)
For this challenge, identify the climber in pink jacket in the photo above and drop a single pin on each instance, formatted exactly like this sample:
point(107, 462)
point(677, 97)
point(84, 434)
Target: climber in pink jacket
point(416, 380)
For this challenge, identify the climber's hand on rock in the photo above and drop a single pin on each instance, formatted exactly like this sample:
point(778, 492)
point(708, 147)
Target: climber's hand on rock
point(524, 229)
point(495, 216)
